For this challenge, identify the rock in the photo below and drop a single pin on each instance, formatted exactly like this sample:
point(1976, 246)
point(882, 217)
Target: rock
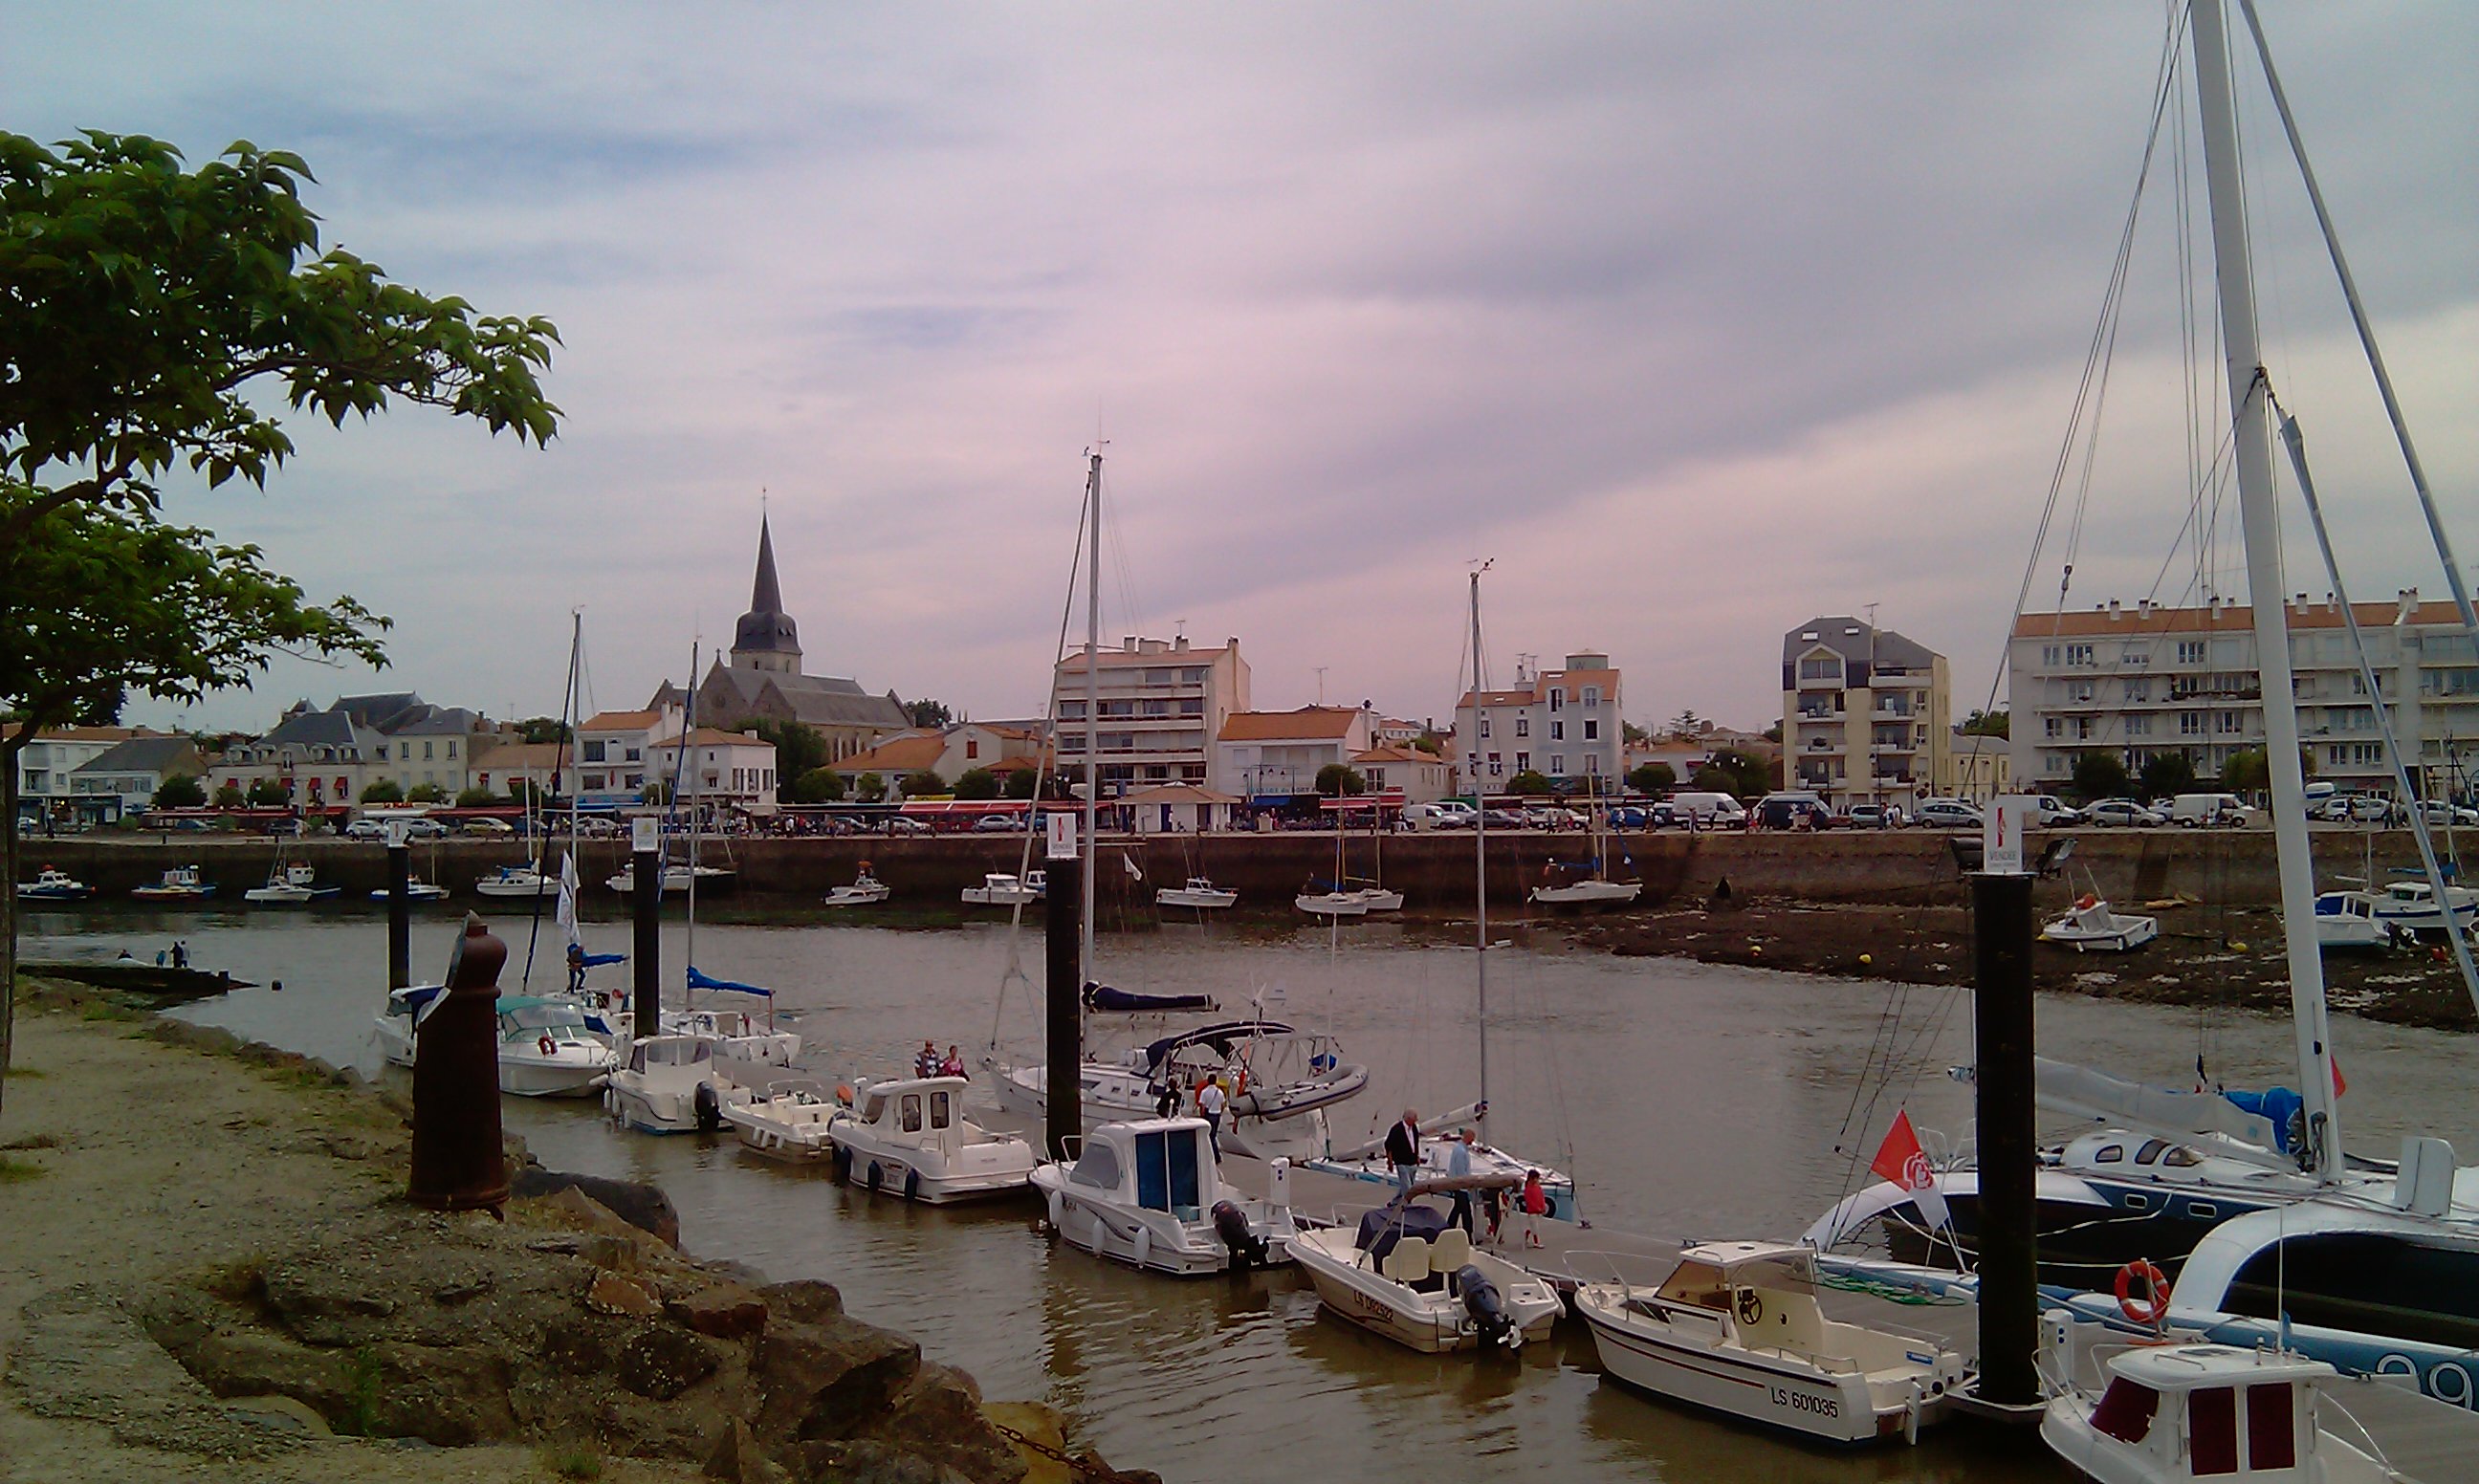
point(616, 1251)
point(737, 1459)
point(804, 1301)
point(454, 1395)
point(585, 1344)
point(1044, 1426)
point(828, 1381)
point(939, 1416)
point(612, 1292)
point(660, 1362)
point(280, 1414)
point(725, 1311)
point(324, 1302)
point(868, 1462)
point(642, 1206)
point(253, 1363)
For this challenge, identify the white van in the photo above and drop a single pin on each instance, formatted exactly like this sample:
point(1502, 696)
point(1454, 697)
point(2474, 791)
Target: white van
point(1446, 814)
point(2197, 810)
point(1709, 810)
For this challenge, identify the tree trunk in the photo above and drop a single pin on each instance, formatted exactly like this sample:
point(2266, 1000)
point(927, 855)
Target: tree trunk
point(10, 750)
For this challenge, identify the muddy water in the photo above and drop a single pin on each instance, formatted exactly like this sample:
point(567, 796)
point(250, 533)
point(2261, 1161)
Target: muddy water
point(1689, 1100)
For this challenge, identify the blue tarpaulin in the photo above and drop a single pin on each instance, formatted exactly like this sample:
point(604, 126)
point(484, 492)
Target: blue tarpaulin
point(698, 981)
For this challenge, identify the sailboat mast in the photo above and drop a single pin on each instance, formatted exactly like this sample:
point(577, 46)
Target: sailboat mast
point(686, 770)
point(2320, 1151)
point(1480, 851)
point(1092, 696)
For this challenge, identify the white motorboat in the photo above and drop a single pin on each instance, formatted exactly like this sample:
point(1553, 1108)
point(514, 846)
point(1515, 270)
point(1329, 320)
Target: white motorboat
point(677, 876)
point(2092, 927)
point(517, 881)
point(912, 1136)
point(669, 1085)
point(1147, 1194)
point(416, 891)
point(2176, 1412)
point(398, 1021)
point(1368, 1164)
point(2411, 907)
point(1377, 899)
point(1332, 904)
point(1591, 892)
point(50, 885)
point(545, 1050)
point(291, 885)
point(865, 890)
point(1405, 1273)
point(1278, 1082)
point(1005, 888)
point(1200, 892)
point(739, 1041)
point(2347, 919)
point(784, 1120)
point(1736, 1327)
point(181, 883)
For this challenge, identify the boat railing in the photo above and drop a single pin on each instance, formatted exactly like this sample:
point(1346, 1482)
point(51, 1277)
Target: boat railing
point(1630, 1271)
point(2366, 1441)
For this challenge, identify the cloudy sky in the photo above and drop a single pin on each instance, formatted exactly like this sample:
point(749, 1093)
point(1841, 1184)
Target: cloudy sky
point(1699, 320)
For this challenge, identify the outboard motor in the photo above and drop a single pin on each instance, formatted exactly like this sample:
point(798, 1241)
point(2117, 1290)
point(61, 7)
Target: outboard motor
point(1246, 1249)
point(709, 1109)
point(1487, 1312)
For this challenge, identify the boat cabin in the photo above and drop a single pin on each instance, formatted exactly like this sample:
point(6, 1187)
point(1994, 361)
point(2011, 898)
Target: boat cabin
point(918, 1110)
point(1768, 1289)
point(2213, 1411)
point(1164, 1165)
point(530, 1017)
point(657, 1052)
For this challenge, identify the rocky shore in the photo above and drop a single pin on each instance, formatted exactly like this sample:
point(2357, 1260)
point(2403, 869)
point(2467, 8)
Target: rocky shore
point(210, 1272)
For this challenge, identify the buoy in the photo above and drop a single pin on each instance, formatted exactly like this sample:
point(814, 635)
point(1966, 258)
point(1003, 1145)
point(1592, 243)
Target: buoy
point(2237, 948)
point(1865, 960)
point(1755, 950)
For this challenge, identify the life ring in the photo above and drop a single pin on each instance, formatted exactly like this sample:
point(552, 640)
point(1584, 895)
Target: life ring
point(1751, 1306)
point(545, 1044)
point(2154, 1307)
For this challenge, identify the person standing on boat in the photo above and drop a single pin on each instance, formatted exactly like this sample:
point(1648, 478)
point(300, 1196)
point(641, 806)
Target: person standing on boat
point(926, 1064)
point(577, 968)
point(1459, 1163)
point(1209, 1101)
point(954, 1065)
point(1403, 1150)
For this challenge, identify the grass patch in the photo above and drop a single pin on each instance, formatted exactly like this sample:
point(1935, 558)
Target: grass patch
point(34, 1072)
point(18, 1171)
point(362, 1393)
point(572, 1463)
point(34, 1142)
point(105, 1009)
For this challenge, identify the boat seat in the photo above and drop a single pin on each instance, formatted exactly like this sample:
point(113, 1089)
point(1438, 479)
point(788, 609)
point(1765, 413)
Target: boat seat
point(1449, 1250)
point(1409, 1263)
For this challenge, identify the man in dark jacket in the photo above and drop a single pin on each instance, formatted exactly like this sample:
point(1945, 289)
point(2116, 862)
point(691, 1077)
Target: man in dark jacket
point(1403, 1150)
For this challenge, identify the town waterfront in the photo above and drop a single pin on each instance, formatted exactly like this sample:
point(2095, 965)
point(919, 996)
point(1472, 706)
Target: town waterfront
point(1695, 1100)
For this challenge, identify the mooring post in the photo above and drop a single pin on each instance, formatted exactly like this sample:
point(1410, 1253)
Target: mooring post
point(458, 1162)
point(1063, 973)
point(2002, 929)
point(399, 849)
point(646, 903)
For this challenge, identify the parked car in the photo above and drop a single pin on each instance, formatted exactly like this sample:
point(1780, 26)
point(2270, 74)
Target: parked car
point(2121, 813)
point(900, 824)
point(489, 827)
point(1445, 814)
point(1507, 819)
point(1795, 808)
point(2437, 812)
point(424, 829)
point(1710, 810)
point(365, 830)
point(998, 824)
point(2196, 810)
point(1628, 816)
point(1870, 816)
point(2054, 813)
point(1948, 815)
point(1664, 815)
point(2365, 809)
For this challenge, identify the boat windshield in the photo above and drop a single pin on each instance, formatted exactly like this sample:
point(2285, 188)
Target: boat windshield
point(1097, 1167)
point(1700, 1284)
point(544, 1017)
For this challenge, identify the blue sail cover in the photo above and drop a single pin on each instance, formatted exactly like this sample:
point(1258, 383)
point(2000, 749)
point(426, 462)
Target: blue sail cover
point(1105, 999)
point(589, 961)
point(698, 981)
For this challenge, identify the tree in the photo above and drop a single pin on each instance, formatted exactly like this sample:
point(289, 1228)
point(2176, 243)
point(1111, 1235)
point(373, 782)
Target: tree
point(1632, 734)
point(869, 788)
point(142, 304)
point(654, 794)
point(2167, 775)
point(475, 799)
point(228, 796)
point(1023, 783)
point(525, 791)
point(426, 793)
point(1730, 771)
point(2250, 772)
point(180, 791)
point(924, 784)
point(1652, 778)
point(1686, 724)
point(1529, 782)
point(542, 728)
point(1430, 744)
point(2099, 776)
point(1338, 780)
point(1772, 732)
point(1999, 723)
point(930, 715)
point(818, 785)
point(978, 783)
point(268, 793)
point(386, 790)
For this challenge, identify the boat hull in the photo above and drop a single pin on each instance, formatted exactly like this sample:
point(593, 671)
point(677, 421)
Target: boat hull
point(1584, 894)
point(1433, 1323)
point(857, 896)
point(1831, 1409)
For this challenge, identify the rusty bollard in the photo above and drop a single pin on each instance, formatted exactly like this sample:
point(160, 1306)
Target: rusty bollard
point(457, 1163)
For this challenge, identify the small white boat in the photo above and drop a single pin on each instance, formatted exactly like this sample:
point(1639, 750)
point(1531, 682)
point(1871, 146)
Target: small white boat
point(50, 885)
point(1407, 1275)
point(1332, 904)
point(416, 891)
point(1199, 892)
point(910, 1135)
point(181, 883)
point(1368, 1164)
point(785, 1119)
point(669, 1085)
point(2347, 919)
point(2172, 1414)
point(397, 1022)
point(517, 881)
point(1147, 1194)
point(2411, 907)
point(739, 1041)
point(1736, 1327)
point(1377, 899)
point(2092, 927)
point(291, 887)
point(865, 890)
point(677, 877)
point(545, 1050)
point(1590, 893)
point(1004, 888)
point(1279, 1082)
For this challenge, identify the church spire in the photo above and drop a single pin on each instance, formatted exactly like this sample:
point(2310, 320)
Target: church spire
point(766, 637)
point(766, 595)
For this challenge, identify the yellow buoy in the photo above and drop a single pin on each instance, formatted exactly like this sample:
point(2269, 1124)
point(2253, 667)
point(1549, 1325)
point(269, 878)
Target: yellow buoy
point(2237, 948)
point(1865, 960)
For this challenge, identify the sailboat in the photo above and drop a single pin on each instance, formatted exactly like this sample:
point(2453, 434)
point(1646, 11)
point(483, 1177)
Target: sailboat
point(1594, 890)
point(290, 884)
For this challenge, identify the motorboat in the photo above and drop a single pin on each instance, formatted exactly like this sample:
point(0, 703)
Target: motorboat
point(739, 1039)
point(517, 881)
point(2168, 1414)
point(669, 1085)
point(1147, 1192)
point(291, 885)
point(2093, 928)
point(1368, 1164)
point(398, 1021)
point(1405, 1273)
point(1736, 1327)
point(2412, 908)
point(1005, 888)
point(1200, 892)
point(864, 890)
point(50, 885)
point(1593, 891)
point(1277, 1082)
point(677, 877)
point(415, 891)
point(912, 1136)
point(181, 883)
point(2347, 919)
point(784, 1120)
point(1332, 904)
point(545, 1050)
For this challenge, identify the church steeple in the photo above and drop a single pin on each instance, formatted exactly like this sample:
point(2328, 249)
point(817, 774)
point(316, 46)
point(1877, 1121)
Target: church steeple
point(766, 637)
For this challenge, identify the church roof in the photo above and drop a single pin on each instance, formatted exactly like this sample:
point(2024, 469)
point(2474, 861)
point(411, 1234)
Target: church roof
point(766, 628)
point(814, 700)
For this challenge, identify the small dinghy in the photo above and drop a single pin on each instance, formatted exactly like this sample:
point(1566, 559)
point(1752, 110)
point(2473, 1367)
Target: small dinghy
point(1200, 892)
point(1147, 1194)
point(2092, 928)
point(1407, 1275)
point(785, 1119)
point(912, 1136)
point(1736, 1327)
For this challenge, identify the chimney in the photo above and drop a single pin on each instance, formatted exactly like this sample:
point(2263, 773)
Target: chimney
point(2114, 614)
point(1128, 645)
point(2405, 605)
point(1180, 643)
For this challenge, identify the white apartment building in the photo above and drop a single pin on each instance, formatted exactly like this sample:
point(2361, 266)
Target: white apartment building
point(1405, 775)
point(124, 780)
point(1163, 702)
point(1273, 756)
point(2146, 680)
point(1563, 724)
point(44, 764)
point(615, 755)
point(1865, 714)
point(724, 767)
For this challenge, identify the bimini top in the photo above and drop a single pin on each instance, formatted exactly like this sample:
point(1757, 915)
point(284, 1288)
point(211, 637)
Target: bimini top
point(2185, 1368)
point(1220, 1038)
point(1105, 999)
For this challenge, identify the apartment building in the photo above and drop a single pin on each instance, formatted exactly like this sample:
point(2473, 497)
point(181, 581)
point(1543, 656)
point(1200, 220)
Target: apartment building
point(2147, 681)
point(1274, 757)
point(1564, 724)
point(722, 767)
point(1866, 713)
point(615, 754)
point(1163, 702)
point(124, 779)
point(1977, 768)
point(1405, 775)
point(45, 763)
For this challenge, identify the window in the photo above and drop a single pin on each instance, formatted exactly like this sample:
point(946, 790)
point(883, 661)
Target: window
point(940, 1114)
point(1557, 698)
point(1523, 726)
point(1821, 667)
point(2272, 1439)
point(2079, 690)
point(2050, 727)
point(2191, 724)
point(1097, 1167)
point(1558, 731)
point(1193, 674)
point(913, 1112)
point(2213, 1430)
point(2139, 726)
point(1156, 708)
point(2079, 654)
point(1592, 729)
point(404, 752)
point(972, 748)
point(2052, 654)
point(1158, 677)
point(1557, 765)
point(1523, 761)
point(2191, 651)
point(1484, 727)
point(1591, 696)
point(2229, 723)
point(2111, 1154)
point(451, 747)
point(2139, 688)
point(1193, 707)
point(593, 752)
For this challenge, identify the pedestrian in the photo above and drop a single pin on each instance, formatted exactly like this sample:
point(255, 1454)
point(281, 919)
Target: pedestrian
point(180, 954)
point(1211, 1102)
point(1403, 1150)
point(1166, 1100)
point(1535, 1204)
point(1459, 1164)
point(577, 968)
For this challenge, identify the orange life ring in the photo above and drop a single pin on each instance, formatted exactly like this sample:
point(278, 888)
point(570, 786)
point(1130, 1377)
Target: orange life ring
point(545, 1043)
point(2154, 1307)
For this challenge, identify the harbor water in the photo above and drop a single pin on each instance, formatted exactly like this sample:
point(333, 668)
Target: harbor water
point(1688, 1100)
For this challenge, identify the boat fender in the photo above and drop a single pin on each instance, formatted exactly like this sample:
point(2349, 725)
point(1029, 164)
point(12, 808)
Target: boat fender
point(1247, 1249)
point(1488, 1310)
point(912, 1185)
point(1144, 1245)
point(2154, 1307)
point(545, 1043)
point(875, 1176)
point(709, 1109)
point(1055, 1211)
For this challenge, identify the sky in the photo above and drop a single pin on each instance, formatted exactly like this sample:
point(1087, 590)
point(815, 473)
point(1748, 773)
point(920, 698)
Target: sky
point(1697, 320)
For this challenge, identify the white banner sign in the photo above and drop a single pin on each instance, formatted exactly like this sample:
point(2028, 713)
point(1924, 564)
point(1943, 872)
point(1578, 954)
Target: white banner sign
point(1063, 834)
point(645, 834)
point(2009, 816)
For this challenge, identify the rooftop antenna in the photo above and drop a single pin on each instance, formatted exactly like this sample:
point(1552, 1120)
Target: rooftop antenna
point(1320, 675)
